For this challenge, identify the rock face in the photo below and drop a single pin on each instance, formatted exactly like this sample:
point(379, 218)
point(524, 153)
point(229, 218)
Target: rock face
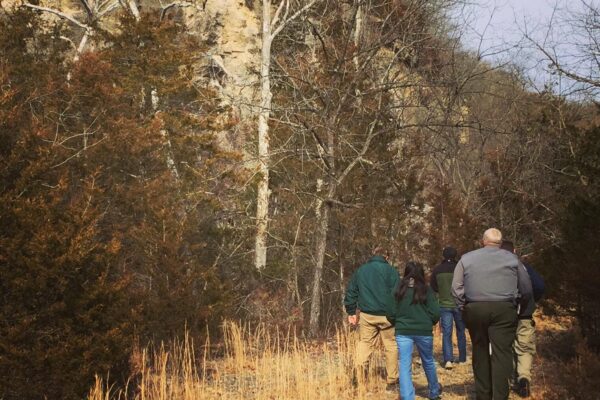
point(232, 29)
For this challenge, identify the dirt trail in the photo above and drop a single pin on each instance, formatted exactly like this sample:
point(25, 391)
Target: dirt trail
point(554, 338)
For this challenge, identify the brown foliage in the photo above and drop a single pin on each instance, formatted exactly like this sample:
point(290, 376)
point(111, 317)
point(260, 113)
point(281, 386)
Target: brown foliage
point(106, 226)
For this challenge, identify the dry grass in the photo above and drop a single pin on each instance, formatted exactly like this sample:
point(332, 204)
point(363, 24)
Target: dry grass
point(262, 365)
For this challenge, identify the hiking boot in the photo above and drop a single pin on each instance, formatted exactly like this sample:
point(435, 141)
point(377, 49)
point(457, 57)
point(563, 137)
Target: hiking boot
point(438, 397)
point(448, 365)
point(523, 389)
point(392, 387)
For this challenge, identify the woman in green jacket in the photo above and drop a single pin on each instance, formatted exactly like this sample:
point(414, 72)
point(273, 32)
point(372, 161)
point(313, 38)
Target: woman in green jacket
point(413, 309)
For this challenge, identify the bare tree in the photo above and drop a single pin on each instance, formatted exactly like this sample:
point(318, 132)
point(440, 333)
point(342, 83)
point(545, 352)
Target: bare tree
point(271, 27)
point(93, 10)
point(352, 97)
point(570, 45)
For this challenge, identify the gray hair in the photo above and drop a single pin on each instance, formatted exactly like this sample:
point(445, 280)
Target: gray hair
point(492, 236)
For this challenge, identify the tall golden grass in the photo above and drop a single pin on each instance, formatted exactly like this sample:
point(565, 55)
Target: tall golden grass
point(254, 364)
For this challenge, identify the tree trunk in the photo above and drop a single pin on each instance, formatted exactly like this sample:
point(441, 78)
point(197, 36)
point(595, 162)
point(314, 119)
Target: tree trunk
point(262, 201)
point(170, 159)
point(133, 8)
point(321, 247)
point(357, 29)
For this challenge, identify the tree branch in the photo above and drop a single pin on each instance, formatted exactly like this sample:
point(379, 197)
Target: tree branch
point(87, 8)
point(292, 17)
point(171, 5)
point(275, 18)
point(563, 71)
point(363, 151)
point(60, 14)
point(108, 6)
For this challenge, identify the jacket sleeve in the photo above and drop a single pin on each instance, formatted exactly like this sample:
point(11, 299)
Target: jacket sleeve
point(458, 285)
point(391, 307)
point(537, 283)
point(525, 290)
point(433, 307)
point(394, 279)
point(433, 280)
point(351, 297)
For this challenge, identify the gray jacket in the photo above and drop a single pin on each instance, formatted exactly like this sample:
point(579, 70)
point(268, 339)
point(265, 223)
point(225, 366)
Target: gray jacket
point(491, 274)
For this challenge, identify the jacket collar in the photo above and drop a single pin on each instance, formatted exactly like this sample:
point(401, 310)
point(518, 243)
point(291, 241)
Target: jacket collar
point(378, 258)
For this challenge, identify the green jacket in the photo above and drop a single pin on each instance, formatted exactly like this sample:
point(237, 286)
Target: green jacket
point(370, 287)
point(413, 319)
point(441, 283)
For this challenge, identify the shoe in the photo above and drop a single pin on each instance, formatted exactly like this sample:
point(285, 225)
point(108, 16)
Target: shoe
point(448, 365)
point(523, 389)
point(392, 387)
point(439, 396)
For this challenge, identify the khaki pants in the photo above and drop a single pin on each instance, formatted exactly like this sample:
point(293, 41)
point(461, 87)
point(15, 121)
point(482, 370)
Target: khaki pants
point(369, 328)
point(524, 348)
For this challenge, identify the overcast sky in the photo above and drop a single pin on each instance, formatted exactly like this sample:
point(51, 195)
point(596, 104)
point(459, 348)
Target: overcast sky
point(492, 23)
point(494, 29)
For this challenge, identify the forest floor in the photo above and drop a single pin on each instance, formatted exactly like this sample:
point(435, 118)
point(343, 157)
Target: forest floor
point(256, 363)
point(555, 347)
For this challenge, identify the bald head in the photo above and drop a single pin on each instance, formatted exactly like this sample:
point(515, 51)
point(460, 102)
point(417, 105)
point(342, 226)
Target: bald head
point(492, 237)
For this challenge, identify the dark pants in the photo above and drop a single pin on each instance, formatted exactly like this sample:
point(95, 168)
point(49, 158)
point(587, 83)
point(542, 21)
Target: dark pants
point(492, 323)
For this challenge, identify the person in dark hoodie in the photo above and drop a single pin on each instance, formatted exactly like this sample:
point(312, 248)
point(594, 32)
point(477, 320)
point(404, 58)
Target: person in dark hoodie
point(524, 345)
point(441, 283)
point(414, 310)
point(365, 302)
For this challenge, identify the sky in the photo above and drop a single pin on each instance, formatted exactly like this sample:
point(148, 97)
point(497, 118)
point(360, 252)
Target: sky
point(491, 23)
point(495, 30)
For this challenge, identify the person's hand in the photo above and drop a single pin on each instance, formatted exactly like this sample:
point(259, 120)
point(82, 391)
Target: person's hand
point(352, 320)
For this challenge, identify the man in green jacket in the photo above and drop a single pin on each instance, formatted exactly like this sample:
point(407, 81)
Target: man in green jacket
point(365, 301)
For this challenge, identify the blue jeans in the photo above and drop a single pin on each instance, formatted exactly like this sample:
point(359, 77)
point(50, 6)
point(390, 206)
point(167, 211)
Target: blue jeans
point(425, 348)
point(449, 316)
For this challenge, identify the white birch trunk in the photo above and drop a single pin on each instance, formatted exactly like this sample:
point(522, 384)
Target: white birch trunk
point(170, 159)
point(82, 44)
point(135, 11)
point(262, 201)
point(357, 28)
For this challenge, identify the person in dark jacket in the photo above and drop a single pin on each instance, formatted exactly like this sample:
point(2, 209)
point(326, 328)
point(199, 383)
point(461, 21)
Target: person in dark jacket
point(441, 283)
point(365, 302)
point(414, 310)
point(490, 285)
point(524, 345)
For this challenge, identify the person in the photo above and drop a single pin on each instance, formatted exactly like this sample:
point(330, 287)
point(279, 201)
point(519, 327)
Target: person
point(365, 302)
point(441, 283)
point(492, 287)
point(524, 345)
point(414, 310)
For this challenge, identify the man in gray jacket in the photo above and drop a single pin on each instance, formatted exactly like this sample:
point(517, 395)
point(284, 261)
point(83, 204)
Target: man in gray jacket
point(491, 285)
